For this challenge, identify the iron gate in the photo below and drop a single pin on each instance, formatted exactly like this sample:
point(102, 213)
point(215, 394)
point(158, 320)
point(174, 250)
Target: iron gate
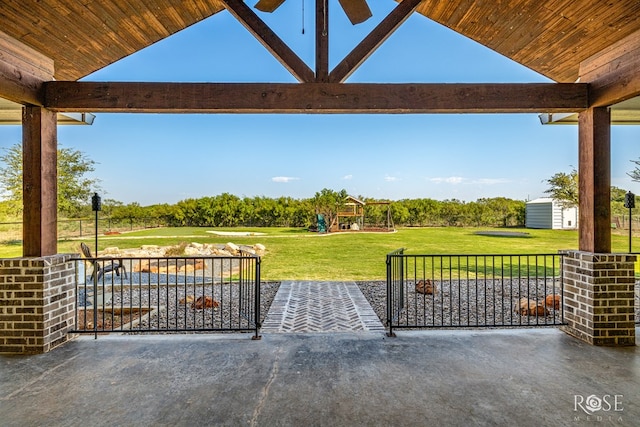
point(473, 291)
point(168, 294)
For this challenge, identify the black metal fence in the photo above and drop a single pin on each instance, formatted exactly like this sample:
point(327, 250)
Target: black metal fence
point(471, 291)
point(636, 290)
point(168, 294)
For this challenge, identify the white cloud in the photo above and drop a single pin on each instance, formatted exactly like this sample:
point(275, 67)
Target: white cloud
point(284, 179)
point(455, 180)
point(391, 178)
point(347, 177)
point(490, 181)
point(448, 180)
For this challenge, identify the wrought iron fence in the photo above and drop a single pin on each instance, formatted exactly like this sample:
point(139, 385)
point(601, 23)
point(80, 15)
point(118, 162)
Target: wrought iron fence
point(471, 291)
point(636, 289)
point(168, 294)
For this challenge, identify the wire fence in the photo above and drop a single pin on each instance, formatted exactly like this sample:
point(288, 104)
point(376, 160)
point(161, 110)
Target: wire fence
point(81, 227)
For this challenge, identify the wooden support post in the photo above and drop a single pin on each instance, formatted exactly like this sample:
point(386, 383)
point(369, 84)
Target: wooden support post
point(322, 41)
point(39, 168)
point(594, 172)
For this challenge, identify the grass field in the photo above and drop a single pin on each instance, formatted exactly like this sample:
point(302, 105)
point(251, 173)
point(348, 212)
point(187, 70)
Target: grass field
point(298, 254)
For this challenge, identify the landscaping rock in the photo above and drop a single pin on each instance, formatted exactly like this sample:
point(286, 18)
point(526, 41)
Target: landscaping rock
point(187, 300)
point(529, 307)
point(232, 248)
point(553, 301)
point(205, 302)
point(426, 287)
point(192, 251)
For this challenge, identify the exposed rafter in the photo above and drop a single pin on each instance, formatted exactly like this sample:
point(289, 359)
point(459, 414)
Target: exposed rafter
point(613, 74)
point(322, 41)
point(314, 97)
point(270, 40)
point(373, 40)
point(22, 71)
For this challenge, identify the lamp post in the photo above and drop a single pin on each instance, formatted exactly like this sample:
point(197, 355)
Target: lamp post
point(630, 202)
point(96, 206)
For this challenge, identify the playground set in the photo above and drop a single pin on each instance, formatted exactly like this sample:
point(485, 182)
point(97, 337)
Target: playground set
point(351, 217)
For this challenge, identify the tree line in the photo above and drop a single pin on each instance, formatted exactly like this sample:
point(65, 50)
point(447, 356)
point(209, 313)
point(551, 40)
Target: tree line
point(227, 210)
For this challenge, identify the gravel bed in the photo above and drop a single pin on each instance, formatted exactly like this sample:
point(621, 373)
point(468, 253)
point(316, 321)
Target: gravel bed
point(469, 303)
point(174, 311)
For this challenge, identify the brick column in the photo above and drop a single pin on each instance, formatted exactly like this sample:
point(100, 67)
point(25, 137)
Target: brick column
point(37, 303)
point(599, 297)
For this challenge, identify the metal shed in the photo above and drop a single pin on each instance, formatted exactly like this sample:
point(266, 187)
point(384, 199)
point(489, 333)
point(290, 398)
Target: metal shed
point(548, 213)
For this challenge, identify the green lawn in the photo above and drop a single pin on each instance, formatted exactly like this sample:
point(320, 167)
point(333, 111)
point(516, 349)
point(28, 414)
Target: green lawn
point(298, 254)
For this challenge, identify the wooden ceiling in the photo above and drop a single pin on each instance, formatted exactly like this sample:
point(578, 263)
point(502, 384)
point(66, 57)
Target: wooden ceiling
point(549, 36)
point(85, 36)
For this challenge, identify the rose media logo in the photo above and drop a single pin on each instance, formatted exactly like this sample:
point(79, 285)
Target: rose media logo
point(598, 408)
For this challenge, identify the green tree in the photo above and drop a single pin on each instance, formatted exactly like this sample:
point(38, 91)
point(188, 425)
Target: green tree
point(74, 187)
point(329, 203)
point(564, 188)
point(635, 173)
point(399, 213)
point(452, 212)
point(109, 206)
point(617, 201)
point(500, 211)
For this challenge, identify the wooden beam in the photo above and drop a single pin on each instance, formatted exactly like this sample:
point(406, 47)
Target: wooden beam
point(270, 40)
point(18, 86)
point(373, 40)
point(322, 41)
point(613, 73)
point(594, 175)
point(22, 71)
point(39, 147)
point(314, 97)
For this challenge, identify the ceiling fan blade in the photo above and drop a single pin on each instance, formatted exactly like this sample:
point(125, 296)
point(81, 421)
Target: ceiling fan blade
point(268, 5)
point(357, 10)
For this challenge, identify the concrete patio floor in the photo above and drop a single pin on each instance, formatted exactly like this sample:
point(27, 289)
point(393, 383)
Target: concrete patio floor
point(492, 377)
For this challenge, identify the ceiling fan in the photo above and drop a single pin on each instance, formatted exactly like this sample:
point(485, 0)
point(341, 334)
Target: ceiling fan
point(356, 10)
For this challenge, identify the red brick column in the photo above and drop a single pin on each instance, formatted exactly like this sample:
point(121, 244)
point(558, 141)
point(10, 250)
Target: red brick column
point(37, 303)
point(599, 297)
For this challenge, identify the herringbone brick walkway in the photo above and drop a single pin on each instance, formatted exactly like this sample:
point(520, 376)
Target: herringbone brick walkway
point(303, 306)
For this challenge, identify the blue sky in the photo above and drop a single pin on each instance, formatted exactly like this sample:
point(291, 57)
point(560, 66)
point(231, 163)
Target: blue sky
point(152, 158)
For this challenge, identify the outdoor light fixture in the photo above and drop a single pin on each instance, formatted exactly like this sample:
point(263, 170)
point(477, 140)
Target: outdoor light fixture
point(96, 203)
point(630, 203)
point(96, 206)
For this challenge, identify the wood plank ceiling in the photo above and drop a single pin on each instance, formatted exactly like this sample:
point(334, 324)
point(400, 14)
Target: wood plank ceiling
point(84, 36)
point(551, 37)
point(548, 36)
